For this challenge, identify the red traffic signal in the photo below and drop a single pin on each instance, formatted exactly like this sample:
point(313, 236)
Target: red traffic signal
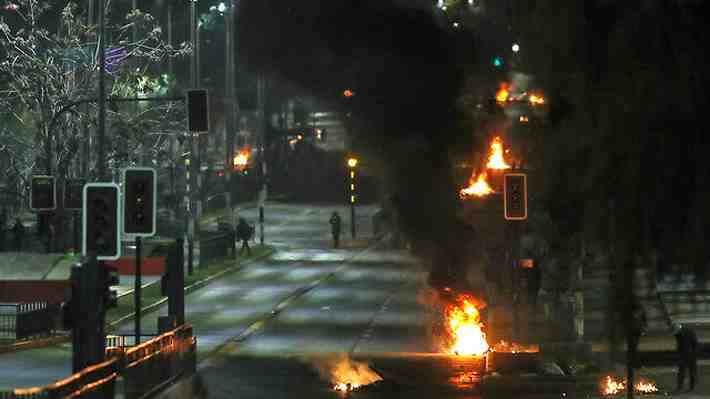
point(515, 196)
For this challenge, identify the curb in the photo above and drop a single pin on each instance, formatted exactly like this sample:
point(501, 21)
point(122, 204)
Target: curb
point(45, 342)
point(190, 288)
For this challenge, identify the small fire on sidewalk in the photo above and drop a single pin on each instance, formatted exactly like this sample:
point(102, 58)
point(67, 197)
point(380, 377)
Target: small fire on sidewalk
point(611, 386)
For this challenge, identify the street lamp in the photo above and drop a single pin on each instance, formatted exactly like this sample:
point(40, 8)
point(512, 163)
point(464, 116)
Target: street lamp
point(352, 163)
point(516, 47)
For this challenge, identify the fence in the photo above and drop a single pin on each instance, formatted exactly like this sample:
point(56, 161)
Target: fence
point(686, 302)
point(24, 320)
point(144, 369)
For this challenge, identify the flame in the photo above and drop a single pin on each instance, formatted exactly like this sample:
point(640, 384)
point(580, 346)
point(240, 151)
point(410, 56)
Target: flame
point(645, 386)
point(536, 100)
point(495, 159)
point(502, 94)
point(241, 160)
point(345, 374)
point(463, 323)
point(477, 186)
point(611, 386)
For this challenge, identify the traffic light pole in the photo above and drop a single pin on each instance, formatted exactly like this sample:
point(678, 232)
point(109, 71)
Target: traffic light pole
point(137, 290)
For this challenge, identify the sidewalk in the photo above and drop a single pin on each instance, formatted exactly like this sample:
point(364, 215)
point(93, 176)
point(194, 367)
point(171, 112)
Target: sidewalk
point(152, 300)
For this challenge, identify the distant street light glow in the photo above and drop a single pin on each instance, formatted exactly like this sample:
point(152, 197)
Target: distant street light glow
point(456, 24)
point(516, 47)
point(222, 7)
point(352, 162)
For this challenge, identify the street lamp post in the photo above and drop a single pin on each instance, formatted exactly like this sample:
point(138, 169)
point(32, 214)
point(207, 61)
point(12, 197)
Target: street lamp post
point(232, 106)
point(352, 163)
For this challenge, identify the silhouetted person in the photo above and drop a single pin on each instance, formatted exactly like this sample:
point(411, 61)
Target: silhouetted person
point(687, 347)
point(637, 327)
point(335, 223)
point(244, 233)
point(18, 231)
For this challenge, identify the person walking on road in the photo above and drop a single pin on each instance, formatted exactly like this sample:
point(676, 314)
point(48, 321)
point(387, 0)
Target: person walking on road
point(244, 233)
point(19, 232)
point(335, 223)
point(687, 348)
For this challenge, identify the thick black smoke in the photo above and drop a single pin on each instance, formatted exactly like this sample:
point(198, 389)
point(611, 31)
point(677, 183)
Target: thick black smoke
point(400, 62)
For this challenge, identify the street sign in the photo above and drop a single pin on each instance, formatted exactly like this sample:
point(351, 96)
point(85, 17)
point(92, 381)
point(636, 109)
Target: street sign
point(44, 193)
point(198, 120)
point(73, 194)
point(140, 191)
point(101, 216)
point(515, 196)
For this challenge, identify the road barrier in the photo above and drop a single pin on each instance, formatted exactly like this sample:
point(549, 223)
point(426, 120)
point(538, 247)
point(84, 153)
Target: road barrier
point(20, 321)
point(144, 369)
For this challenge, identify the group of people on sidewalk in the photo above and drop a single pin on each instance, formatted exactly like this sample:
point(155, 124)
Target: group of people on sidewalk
point(17, 231)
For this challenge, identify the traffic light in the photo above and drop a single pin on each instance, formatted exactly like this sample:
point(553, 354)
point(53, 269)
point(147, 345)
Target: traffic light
point(140, 189)
point(108, 278)
point(515, 196)
point(197, 111)
point(497, 62)
point(73, 194)
point(101, 219)
point(44, 193)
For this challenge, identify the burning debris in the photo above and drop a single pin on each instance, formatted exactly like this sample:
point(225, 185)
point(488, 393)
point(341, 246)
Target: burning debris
point(611, 386)
point(241, 160)
point(495, 159)
point(464, 327)
point(645, 386)
point(345, 374)
point(502, 94)
point(478, 186)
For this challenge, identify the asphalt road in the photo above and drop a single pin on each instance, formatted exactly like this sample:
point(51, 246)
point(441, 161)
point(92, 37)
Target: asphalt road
point(229, 305)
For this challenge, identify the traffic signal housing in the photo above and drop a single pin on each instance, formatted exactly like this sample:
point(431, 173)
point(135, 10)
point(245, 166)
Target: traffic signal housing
point(108, 278)
point(140, 201)
point(101, 221)
point(197, 111)
point(515, 196)
point(43, 196)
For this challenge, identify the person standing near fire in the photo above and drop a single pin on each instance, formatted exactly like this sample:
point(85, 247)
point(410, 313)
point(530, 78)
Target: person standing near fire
point(335, 223)
point(244, 233)
point(687, 347)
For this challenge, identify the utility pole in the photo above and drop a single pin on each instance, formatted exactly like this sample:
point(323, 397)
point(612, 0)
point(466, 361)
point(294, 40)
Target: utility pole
point(232, 111)
point(261, 104)
point(191, 169)
point(101, 134)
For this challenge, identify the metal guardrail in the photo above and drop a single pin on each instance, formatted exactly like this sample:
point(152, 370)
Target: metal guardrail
point(145, 369)
point(675, 303)
point(19, 321)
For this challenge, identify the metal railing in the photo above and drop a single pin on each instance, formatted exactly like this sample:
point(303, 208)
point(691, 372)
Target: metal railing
point(20, 321)
point(145, 369)
point(675, 303)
